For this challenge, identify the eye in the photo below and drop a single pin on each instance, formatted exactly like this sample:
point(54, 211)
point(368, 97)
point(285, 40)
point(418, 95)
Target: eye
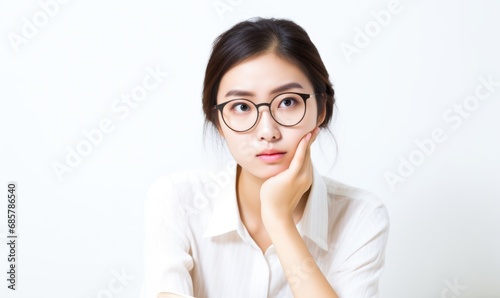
point(288, 102)
point(240, 107)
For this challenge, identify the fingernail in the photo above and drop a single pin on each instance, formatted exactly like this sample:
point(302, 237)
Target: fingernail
point(308, 136)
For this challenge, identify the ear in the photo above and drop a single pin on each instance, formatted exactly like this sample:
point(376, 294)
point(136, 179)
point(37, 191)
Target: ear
point(321, 118)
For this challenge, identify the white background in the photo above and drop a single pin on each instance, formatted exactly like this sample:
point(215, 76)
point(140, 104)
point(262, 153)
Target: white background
point(77, 234)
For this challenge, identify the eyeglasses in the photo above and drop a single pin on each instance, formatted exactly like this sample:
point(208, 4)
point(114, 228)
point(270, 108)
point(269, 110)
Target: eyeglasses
point(241, 114)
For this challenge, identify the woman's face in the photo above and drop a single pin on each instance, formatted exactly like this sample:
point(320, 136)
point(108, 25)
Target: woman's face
point(259, 78)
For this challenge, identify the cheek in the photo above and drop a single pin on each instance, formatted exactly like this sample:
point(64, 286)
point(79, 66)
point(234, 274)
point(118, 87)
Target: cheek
point(310, 120)
point(241, 145)
point(312, 113)
point(292, 139)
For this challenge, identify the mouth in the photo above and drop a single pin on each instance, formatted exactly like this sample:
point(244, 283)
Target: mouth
point(271, 156)
point(270, 152)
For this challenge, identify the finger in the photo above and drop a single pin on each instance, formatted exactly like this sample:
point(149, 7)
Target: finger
point(314, 134)
point(300, 153)
point(303, 150)
point(307, 157)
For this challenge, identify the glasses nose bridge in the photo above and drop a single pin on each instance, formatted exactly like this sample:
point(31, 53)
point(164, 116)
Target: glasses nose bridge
point(265, 104)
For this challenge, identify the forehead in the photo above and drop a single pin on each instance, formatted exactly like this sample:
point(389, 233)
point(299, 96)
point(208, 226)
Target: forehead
point(260, 75)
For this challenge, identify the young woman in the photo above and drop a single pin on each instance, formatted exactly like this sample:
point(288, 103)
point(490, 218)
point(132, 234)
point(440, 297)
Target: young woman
point(272, 226)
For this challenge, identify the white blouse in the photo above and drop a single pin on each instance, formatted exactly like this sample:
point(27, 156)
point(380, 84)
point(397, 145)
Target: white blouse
point(195, 243)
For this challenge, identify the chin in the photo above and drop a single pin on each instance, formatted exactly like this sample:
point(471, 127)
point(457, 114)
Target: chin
point(267, 171)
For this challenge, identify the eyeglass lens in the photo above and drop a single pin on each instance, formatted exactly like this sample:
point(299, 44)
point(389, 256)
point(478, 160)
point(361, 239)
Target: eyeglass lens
point(287, 109)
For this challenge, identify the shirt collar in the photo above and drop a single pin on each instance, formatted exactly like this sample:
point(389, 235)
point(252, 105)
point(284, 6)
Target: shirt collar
point(313, 224)
point(225, 214)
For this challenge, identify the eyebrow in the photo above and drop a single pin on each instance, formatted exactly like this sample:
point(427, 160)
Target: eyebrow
point(275, 90)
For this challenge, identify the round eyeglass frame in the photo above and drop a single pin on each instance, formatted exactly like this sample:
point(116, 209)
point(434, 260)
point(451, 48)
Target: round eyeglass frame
point(304, 96)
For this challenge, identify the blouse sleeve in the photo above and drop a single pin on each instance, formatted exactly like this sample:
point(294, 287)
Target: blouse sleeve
point(359, 273)
point(167, 261)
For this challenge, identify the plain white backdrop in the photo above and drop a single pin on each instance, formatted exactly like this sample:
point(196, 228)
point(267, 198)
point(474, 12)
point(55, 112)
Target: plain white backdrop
point(418, 95)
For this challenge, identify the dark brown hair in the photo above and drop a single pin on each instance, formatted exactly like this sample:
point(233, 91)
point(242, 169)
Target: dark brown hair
point(257, 36)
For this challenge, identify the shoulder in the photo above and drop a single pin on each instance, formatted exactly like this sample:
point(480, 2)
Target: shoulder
point(178, 184)
point(340, 191)
point(195, 188)
point(355, 202)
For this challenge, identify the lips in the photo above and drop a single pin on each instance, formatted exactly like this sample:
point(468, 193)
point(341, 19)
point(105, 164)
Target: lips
point(270, 152)
point(273, 156)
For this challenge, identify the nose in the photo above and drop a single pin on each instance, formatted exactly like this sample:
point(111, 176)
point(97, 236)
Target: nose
point(267, 129)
